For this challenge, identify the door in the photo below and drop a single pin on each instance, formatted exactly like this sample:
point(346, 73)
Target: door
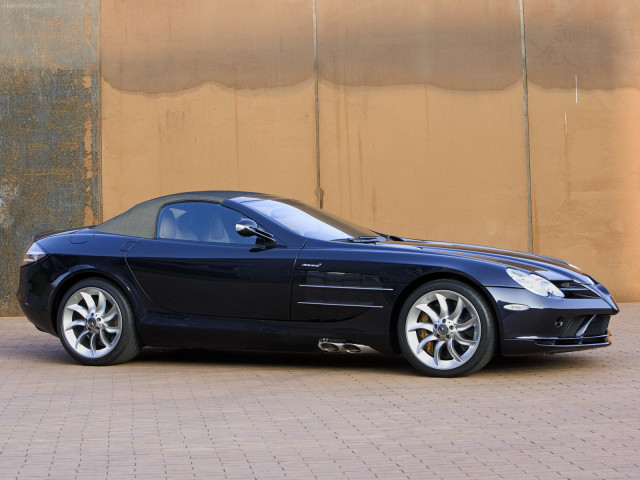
point(199, 265)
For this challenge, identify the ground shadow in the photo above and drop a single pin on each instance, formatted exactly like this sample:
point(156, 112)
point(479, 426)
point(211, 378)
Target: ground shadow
point(396, 364)
point(388, 364)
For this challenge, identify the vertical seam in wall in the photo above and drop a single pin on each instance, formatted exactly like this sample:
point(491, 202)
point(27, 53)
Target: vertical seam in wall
point(319, 195)
point(100, 182)
point(527, 151)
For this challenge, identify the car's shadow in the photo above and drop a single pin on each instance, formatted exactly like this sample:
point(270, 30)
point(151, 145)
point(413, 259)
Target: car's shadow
point(542, 364)
point(264, 359)
point(388, 364)
point(395, 364)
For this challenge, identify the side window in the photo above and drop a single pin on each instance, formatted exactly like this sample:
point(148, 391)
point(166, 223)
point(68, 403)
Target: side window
point(201, 222)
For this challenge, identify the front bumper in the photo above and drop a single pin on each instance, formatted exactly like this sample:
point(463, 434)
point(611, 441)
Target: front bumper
point(551, 324)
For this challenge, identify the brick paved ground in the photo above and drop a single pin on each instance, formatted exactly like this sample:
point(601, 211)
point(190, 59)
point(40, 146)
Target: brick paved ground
point(194, 414)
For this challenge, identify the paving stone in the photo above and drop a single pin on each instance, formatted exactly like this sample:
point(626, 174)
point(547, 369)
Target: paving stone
point(226, 415)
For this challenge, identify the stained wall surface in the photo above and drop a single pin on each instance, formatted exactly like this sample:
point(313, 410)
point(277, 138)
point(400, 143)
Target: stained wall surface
point(421, 118)
point(510, 123)
point(207, 95)
point(49, 126)
point(221, 95)
point(583, 62)
point(421, 126)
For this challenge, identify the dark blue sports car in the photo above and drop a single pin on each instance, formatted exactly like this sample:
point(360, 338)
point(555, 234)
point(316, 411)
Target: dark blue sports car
point(239, 270)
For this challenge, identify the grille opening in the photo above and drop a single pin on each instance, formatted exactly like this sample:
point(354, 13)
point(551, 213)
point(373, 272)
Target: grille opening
point(598, 326)
point(573, 289)
point(584, 330)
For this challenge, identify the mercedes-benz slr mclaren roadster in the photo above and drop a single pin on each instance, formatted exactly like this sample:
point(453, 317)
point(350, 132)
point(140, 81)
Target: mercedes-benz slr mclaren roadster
point(239, 270)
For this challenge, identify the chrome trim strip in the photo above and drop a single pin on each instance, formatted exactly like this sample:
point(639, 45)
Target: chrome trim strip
point(579, 345)
point(562, 339)
point(594, 289)
point(374, 289)
point(340, 305)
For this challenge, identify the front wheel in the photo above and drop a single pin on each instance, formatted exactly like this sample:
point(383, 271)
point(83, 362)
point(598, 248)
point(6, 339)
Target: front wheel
point(95, 324)
point(446, 329)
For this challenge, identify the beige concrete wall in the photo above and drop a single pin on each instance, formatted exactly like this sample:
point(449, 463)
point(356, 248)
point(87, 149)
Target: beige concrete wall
point(421, 125)
point(583, 59)
point(207, 95)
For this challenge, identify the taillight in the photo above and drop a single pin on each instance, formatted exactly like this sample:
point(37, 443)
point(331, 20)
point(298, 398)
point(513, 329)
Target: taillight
point(33, 254)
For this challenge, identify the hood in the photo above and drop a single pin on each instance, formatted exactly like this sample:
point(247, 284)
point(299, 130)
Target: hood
point(551, 268)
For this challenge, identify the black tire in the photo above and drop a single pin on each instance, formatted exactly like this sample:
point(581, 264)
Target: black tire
point(96, 324)
point(459, 334)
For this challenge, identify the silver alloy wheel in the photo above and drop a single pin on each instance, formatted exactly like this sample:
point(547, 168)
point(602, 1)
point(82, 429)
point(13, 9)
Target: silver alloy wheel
point(91, 322)
point(443, 329)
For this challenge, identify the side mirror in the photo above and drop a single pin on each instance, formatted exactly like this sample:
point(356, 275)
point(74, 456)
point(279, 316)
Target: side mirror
point(249, 228)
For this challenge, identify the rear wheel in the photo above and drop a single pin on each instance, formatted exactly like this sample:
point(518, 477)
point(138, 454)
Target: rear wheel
point(446, 329)
point(95, 324)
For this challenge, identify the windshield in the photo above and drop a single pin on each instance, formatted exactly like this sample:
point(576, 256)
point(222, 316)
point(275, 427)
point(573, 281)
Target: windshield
point(308, 221)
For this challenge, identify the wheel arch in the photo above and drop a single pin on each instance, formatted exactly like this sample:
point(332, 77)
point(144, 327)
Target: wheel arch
point(64, 284)
point(430, 277)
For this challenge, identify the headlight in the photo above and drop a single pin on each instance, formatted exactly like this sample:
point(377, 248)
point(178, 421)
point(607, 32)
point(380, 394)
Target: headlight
point(535, 283)
point(33, 254)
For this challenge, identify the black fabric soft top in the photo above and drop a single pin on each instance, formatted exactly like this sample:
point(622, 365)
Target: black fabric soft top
point(140, 221)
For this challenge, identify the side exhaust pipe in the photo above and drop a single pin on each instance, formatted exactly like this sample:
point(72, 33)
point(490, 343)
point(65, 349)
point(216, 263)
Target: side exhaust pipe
point(327, 346)
point(340, 346)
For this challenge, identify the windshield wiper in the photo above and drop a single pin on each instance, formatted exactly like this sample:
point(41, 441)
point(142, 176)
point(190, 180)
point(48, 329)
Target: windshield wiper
point(391, 237)
point(364, 239)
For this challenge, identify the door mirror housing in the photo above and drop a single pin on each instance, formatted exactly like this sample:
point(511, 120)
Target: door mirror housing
point(249, 228)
